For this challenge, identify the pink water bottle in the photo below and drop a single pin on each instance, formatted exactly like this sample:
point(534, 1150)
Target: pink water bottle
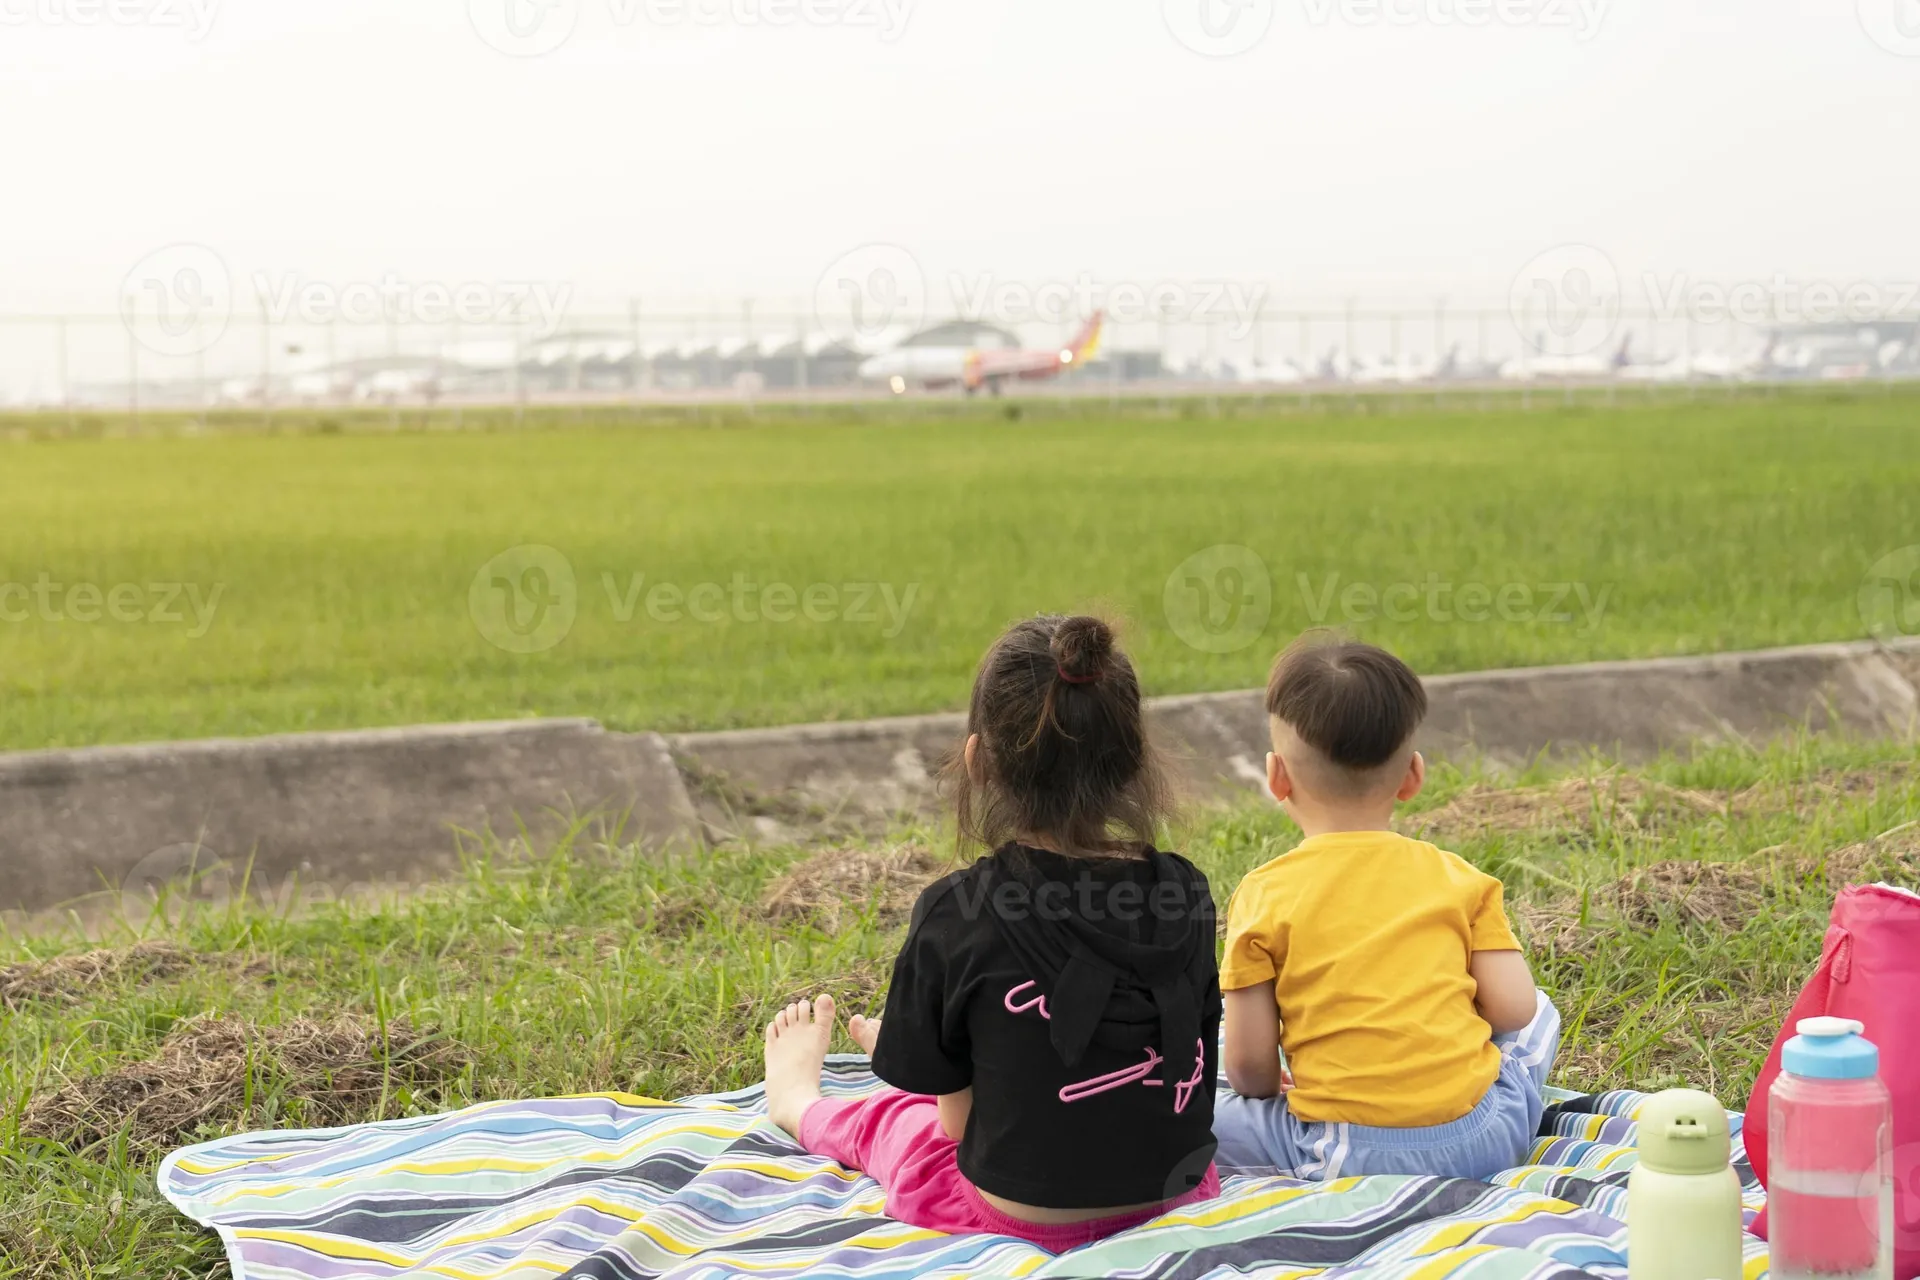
point(1830, 1176)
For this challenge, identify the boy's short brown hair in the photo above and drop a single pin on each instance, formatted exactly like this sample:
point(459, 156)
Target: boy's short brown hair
point(1355, 704)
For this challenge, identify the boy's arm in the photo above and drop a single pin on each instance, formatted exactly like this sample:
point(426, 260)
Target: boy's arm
point(1505, 997)
point(1252, 1056)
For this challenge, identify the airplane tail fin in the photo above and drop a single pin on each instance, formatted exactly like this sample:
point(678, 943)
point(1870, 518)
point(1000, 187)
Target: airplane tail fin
point(1086, 346)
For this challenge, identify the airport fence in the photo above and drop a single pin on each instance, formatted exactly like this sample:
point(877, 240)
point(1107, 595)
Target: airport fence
point(528, 351)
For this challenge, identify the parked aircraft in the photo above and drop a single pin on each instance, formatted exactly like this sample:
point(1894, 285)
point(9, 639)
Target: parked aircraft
point(1526, 367)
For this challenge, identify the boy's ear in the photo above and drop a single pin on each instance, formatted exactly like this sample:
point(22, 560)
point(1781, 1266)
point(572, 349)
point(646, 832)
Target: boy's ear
point(972, 755)
point(1415, 781)
point(1279, 783)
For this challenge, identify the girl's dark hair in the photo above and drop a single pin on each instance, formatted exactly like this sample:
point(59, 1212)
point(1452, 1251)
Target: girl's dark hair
point(1063, 748)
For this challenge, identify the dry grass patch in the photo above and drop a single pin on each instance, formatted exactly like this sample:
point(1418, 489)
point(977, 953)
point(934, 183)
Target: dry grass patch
point(1639, 804)
point(1712, 894)
point(1646, 805)
point(1555, 925)
point(220, 1073)
point(1891, 856)
point(1721, 895)
point(70, 979)
point(836, 887)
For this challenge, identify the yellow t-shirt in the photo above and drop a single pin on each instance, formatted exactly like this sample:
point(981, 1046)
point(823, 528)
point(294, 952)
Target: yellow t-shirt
point(1367, 936)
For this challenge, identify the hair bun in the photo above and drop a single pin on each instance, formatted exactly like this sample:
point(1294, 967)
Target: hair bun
point(1082, 646)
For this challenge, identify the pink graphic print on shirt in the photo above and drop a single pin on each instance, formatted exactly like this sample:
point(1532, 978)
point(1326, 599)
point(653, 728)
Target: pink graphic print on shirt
point(1140, 1074)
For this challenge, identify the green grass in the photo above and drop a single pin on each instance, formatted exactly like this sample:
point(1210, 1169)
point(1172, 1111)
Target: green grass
point(344, 558)
point(583, 969)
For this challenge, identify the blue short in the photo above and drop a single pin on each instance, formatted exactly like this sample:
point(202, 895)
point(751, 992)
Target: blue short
point(1261, 1135)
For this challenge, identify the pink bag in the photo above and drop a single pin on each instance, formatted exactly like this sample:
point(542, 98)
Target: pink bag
point(1870, 972)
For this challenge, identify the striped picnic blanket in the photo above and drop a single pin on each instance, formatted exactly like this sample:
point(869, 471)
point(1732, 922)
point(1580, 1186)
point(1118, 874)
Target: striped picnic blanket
point(616, 1187)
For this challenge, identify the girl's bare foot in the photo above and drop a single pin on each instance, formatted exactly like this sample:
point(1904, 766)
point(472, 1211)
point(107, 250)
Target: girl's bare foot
point(796, 1050)
point(865, 1032)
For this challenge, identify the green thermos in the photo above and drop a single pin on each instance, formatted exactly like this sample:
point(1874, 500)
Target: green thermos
point(1683, 1198)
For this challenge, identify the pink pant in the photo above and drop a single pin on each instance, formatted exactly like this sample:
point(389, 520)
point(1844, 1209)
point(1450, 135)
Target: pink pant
point(895, 1138)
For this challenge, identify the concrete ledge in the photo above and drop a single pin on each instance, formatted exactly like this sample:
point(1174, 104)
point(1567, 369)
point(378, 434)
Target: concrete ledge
point(350, 809)
point(1218, 742)
point(324, 811)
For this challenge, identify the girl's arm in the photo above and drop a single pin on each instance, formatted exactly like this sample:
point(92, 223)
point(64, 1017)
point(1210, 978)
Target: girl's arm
point(954, 1110)
point(1506, 993)
point(1253, 1043)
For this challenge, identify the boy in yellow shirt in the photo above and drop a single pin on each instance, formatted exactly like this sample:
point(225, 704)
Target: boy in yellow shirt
point(1416, 1039)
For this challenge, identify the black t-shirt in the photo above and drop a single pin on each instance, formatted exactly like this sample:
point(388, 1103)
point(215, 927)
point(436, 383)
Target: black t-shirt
point(1116, 1127)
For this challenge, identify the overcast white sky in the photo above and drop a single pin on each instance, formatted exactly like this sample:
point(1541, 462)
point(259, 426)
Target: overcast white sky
point(1343, 154)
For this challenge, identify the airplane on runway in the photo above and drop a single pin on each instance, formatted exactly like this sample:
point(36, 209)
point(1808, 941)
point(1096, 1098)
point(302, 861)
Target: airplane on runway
point(1528, 366)
point(935, 362)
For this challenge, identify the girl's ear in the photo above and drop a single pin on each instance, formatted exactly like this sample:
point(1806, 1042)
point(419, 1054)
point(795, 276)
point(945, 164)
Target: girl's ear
point(972, 754)
point(1279, 784)
point(1415, 781)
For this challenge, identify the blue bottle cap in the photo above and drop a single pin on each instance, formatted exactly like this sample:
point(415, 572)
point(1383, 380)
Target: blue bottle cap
point(1831, 1049)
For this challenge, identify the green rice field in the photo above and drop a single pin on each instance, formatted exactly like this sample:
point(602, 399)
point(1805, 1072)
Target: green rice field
point(711, 569)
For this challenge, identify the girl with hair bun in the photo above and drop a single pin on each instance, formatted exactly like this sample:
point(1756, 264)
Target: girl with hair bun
point(1051, 1031)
